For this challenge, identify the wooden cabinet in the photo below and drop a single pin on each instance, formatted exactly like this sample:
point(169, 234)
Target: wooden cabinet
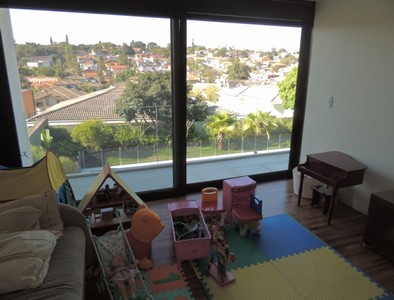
point(379, 230)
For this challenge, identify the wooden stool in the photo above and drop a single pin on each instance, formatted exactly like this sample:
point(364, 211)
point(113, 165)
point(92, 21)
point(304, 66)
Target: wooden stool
point(321, 192)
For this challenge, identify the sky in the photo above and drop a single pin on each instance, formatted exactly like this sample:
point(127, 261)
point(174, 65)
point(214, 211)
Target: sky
point(40, 26)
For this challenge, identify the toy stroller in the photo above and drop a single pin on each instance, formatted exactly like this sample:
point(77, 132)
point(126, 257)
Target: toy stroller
point(118, 266)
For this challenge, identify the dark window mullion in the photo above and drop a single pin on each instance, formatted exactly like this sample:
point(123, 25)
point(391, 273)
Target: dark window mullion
point(179, 90)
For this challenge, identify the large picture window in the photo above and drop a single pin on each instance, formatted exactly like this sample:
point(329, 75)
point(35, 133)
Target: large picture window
point(239, 71)
point(171, 103)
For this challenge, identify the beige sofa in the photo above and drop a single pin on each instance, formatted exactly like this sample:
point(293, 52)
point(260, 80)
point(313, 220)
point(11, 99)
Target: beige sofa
point(72, 251)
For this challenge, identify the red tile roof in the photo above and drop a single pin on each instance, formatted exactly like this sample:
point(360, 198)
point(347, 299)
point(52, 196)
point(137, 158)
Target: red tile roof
point(97, 105)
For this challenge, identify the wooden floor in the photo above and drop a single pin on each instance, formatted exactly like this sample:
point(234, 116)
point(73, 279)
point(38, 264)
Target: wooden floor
point(344, 233)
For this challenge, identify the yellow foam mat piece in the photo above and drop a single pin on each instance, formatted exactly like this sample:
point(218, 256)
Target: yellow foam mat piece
point(317, 274)
point(322, 274)
point(261, 281)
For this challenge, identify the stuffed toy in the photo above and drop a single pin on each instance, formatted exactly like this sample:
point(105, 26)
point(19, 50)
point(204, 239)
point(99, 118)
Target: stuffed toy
point(145, 227)
point(119, 274)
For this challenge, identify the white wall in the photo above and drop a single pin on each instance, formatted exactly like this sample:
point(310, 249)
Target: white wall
point(353, 60)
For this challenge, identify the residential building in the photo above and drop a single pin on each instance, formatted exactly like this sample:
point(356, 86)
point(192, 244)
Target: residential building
point(40, 61)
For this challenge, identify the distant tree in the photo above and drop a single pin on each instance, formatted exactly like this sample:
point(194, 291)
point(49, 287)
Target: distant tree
point(147, 101)
point(123, 59)
point(127, 135)
point(50, 40)
point(92, 135)
point(221, 52)
point(196, 111)
point(62, 143)
point(237, 70)
point(37, 152)
point(139, 44)
point(260, 123)
point(59, 68)
point(70, 166)
point(125, 75)
point(288, 60)
point(212, 93)
point(219, 126)
point(151, 46)
point(44, 71)
point(46, 139)
point(66, 38)
point(209, 74)
point(71, 59)
point(126, 50)
point(287, 89)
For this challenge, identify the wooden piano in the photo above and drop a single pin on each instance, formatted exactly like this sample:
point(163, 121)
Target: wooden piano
point(335, 169)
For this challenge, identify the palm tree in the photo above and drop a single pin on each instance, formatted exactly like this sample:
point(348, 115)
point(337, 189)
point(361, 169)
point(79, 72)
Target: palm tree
point(219, 125)
point(260, 123)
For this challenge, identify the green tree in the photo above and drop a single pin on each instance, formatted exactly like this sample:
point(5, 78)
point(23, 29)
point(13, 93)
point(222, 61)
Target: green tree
point(59, 68)
point(197, 110)
point(219, 126)
point(37, 152)
point(127, 135)
point(71, 59)
point(125, 75)
point(222, 52)
point(287, 89)
point(70, 166)
point(139, 44)
point(46, 139)
point(237, 70)
point(123, 59)
point(44, 71)
point(101, 65)
point(147, 101)
point(212, 93)
point(127, 50)
point(260, 123)
point(92, 134)
point(152, 45)
point(62, 143)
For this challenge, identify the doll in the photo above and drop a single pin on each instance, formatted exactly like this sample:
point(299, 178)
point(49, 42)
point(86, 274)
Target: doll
point(119, 274)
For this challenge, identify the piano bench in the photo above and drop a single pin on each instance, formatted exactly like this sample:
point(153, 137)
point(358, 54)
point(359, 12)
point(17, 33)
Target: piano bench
point(321, 192)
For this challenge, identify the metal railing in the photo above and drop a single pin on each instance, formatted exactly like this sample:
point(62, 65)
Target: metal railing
point(141, 154)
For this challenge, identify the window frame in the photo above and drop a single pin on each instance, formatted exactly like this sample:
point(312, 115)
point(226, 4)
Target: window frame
point(277, 13)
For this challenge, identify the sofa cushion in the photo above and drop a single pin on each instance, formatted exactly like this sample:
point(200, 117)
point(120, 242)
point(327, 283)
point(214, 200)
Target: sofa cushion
point(47, 203)
point(66, 273)
point(24, 258)
point(20, 219)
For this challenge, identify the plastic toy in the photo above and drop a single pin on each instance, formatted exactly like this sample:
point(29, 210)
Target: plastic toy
point(119, 273)
point(145, 227)
point(220, 251)
point(247, 215)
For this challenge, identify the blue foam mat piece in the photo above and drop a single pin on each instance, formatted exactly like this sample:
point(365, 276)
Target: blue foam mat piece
point(281, 236)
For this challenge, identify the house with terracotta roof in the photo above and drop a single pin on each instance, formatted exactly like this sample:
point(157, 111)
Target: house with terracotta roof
point(116, 69)
point(56, 94)
point(97, 105)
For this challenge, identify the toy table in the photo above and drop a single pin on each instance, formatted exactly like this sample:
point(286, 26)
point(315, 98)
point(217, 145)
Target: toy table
point(236, 190)
point(191, 248)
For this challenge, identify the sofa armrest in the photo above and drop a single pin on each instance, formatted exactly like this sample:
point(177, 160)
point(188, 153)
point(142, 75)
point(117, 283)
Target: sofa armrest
point(73, 217)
